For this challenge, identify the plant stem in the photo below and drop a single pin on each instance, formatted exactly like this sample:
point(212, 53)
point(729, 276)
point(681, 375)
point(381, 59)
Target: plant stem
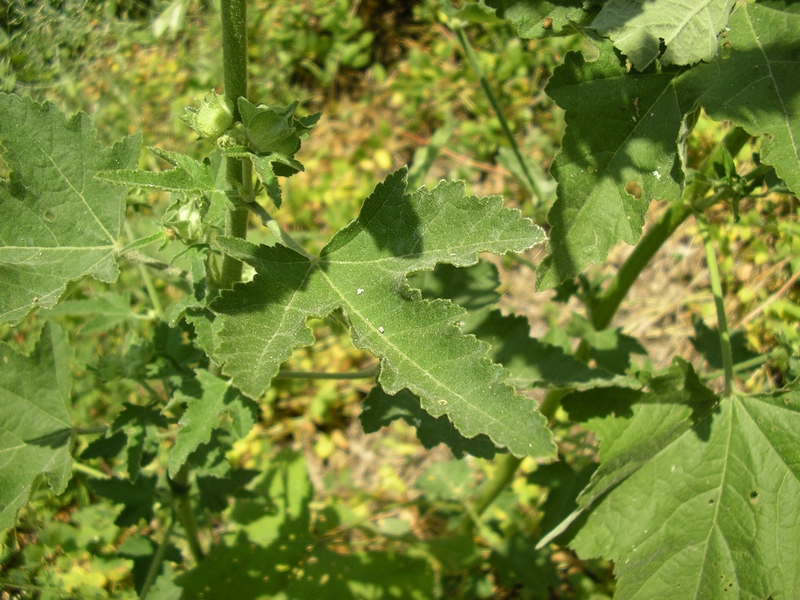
point(365, 374)
point(183, 507)
point(716, 288)
point(158, 558)
point(90, 430)
point(87, 470)
point(607, 304)
point(503, 476)
point(476, 66)
point(234, 59)
point(148, 282)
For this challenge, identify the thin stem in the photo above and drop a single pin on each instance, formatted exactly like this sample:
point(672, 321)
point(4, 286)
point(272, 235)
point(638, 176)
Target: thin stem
point(183, 507)
point(141, 259)
point(476, 66)
point(90, 471)
point(90, 430)
point(503, 476)
point(365, 374)
point(716, 288)
point(148, 282)
point(606, 306)
point(158, 558)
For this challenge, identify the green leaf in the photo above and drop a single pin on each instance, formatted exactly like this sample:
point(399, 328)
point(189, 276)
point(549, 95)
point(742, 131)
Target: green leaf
point(379, 409)
point(620, 151)
point(698, 498)
point(534, 363)
point(140, 425)
point(103, 313)
point(188, 175)
point(688, 32)
point(35, 425)
point(137, 498)
point(535, 19)
point(58, 223)
point(362, 272)
point(207, 398)
point(754, 83)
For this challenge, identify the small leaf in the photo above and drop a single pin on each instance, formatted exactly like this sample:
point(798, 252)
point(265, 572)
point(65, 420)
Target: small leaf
point(362, 271)
point(207, 398)
point(140, 425)
point(138, 498)
point(58, 223)
point(35, 424)
point(188, 175)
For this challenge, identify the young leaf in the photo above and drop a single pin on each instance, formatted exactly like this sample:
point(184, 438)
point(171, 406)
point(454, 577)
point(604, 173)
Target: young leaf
point(207, 398)
point(755, 85)
point(137, 423)
point(188, 175)
point(639, 28)
point(620, 151)
point(58, 223)
point(687, 494)
point(362, 271)
point(35, 425)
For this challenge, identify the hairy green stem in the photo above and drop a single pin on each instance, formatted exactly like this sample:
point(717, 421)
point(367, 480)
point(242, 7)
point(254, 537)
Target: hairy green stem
point(476, 66)
point(158, 558)
point(716, 289)
point(183, 508)
point(604, 309)
point(234, 62)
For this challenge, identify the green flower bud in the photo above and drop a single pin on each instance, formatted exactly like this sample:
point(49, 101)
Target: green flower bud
point(185, 219)
point(212, 118)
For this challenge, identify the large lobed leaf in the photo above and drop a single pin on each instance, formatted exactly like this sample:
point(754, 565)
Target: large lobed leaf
point(58, 222)
point(691, 488)
point(35, 425)
point(619, 152)
point(362, 271)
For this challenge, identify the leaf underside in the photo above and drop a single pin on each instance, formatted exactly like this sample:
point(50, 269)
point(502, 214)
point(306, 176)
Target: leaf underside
point(362, 271)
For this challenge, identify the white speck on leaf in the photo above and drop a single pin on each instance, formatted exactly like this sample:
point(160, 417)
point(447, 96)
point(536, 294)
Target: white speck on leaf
point(657, 175)
point(381, 330)
point(359, 291)
point(442, 402)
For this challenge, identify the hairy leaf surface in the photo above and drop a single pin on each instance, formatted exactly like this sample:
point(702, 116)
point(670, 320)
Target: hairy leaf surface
point(58, 222)
point(620, 151)
point(689, 31)
point(362, 271)
point(690, 489)
point(35, 425)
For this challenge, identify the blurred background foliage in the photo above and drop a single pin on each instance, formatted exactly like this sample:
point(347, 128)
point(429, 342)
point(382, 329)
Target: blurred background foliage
point(392, 83)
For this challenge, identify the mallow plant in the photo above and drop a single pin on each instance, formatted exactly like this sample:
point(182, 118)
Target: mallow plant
point(694, 488)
